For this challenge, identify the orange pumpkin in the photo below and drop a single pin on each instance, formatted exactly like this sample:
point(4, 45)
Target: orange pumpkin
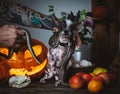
point(4, 73)
point(22, 62)
point(100, 11)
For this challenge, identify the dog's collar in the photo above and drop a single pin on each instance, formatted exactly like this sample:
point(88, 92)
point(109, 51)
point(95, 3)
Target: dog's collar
point(63, 44)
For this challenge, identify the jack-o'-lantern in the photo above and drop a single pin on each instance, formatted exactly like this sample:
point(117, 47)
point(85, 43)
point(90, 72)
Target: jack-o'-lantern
point(4, 73)
point(23, 63)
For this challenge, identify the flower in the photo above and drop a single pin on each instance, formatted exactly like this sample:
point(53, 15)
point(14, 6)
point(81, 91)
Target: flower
point(86, 30)
point(88, 21)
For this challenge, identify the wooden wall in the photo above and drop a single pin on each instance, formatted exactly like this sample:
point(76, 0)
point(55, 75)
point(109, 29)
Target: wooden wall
point(106, 35)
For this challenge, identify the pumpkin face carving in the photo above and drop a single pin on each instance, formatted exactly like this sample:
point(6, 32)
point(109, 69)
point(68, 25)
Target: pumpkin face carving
point(22, 62)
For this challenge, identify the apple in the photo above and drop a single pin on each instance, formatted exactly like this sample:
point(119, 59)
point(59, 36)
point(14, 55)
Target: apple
point(105, 77)
point(86, 77)
point(98, 78)
point(98, 70)
point(75, 82)
point(79, 74)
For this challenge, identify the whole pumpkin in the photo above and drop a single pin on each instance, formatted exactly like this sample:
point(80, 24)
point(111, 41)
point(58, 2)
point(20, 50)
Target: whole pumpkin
point(4, 73)
point(22, 62)
point(100, 11)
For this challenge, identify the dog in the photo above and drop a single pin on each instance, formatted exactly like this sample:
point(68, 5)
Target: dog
point(56, 56)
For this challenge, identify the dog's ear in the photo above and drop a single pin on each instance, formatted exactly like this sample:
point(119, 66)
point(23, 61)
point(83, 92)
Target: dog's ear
point(74, 28)
point(59, 24)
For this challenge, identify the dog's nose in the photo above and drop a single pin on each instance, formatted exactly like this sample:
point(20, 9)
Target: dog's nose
point(66, 32)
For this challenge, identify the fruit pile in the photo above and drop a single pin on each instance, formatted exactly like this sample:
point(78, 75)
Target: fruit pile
point(94, 81)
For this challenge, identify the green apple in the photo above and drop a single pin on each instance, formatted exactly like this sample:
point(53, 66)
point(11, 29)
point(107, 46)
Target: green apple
point(98, 70)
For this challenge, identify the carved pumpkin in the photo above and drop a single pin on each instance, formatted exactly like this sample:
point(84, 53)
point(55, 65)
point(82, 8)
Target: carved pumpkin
point(4, 73)
point(22, 62)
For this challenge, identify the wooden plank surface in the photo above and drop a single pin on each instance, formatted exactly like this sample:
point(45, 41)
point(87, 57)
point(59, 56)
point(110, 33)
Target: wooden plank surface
point(37, 88)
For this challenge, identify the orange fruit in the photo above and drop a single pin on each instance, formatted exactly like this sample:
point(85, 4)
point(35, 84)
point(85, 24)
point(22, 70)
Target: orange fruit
point(95, 86)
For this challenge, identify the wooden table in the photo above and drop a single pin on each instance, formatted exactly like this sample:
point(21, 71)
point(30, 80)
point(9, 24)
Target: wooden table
point(37, 88)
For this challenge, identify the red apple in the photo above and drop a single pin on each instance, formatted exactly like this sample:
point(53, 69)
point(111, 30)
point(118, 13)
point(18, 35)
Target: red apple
point(75, 82)
point(86, 77)
point(79, 74)
point(105, 77)
point(98, 78)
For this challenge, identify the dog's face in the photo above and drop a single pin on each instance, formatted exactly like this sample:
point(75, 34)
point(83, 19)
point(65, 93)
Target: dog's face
point(65, 34)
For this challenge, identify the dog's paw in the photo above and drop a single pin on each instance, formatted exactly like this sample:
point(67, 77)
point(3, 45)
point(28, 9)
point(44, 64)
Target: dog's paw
point(56, 84)
point(42, 81)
